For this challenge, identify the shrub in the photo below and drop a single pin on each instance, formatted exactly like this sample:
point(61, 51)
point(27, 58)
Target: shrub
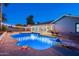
point(4, 28)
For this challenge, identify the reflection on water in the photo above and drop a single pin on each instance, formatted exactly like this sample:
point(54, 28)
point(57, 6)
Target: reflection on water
point(35, 40)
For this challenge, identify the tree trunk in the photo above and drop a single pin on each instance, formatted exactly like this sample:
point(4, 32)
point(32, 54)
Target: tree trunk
point(0, 16)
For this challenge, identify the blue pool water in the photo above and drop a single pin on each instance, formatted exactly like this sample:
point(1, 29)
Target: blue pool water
point(35, 40)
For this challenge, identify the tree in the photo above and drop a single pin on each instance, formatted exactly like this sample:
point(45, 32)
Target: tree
point(29, 20)
point(2, 16)
point(4, 19)
point(4, 28)
point(19, 25)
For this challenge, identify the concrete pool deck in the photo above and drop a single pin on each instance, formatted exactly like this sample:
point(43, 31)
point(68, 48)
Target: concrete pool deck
point(8, 48)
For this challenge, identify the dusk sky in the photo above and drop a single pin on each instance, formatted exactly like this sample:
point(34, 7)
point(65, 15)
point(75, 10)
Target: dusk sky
point(42, 12)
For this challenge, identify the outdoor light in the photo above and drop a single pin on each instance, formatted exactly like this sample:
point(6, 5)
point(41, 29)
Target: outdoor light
point(33, 37)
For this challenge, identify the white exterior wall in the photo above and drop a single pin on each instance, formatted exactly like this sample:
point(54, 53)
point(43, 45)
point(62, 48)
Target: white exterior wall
point(42, 28)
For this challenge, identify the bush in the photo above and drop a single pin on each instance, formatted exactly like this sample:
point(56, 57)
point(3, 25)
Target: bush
point(4, 28)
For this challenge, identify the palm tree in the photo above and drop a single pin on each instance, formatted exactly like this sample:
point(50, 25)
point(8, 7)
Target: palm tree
point(2, 16)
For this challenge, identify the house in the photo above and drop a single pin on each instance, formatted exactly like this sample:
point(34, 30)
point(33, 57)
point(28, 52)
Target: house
point(42, 28)
point(67, 24)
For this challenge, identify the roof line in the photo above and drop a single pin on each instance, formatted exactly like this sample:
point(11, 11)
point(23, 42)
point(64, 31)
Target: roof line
point(63, 16)
point(57, 19)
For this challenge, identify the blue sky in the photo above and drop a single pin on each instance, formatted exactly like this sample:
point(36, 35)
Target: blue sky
point(42, 12)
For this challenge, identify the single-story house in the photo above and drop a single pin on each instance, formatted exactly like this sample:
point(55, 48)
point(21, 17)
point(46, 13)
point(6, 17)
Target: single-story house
point(67, 24)
point(42, 28)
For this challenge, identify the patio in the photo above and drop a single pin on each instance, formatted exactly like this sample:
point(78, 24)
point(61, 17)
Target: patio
point(8, 48)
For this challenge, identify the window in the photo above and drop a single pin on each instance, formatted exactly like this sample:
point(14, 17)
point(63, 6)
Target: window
point(32, 28)
point(43, 28)
point(77, 27)
point(36, 28)
point(49, 27)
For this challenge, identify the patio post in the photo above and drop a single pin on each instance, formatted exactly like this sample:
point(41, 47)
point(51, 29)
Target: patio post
point(54, 29)
point(46, 29)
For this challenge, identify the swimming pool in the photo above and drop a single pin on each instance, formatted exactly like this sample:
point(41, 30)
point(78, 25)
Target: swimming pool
point(35, 40)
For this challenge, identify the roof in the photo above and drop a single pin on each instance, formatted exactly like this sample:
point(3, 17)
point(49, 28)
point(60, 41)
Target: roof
point(47, 22)
point(77, 17)
point(42, 23)
point(54, 21)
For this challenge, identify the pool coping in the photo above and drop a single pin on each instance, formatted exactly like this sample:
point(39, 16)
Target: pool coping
point(3, 35)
